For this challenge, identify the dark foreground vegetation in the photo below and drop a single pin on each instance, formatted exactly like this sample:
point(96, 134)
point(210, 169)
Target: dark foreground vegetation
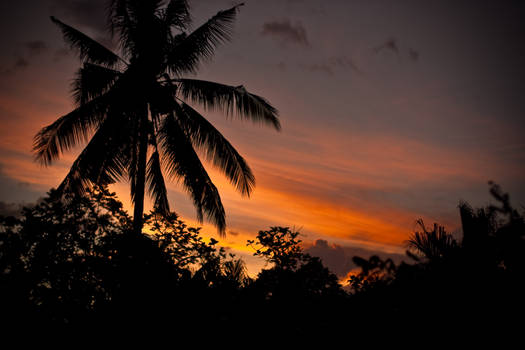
point(77, 262)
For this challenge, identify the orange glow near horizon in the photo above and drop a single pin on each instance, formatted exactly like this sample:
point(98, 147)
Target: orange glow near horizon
point(370, 141)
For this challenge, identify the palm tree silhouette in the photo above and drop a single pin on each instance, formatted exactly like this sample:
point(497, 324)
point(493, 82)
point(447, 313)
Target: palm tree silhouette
point(133, 108)
point(431, 245)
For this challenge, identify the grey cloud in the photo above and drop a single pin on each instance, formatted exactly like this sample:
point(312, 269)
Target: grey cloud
point(413, 54)
point(331, 65)
point(343, 62)
point(392, 45)
point(36, 47)
point(389, 45)
point(286, 32)
point(321, 67)
point(338, 258)
point(20, 63)
point(12, 190)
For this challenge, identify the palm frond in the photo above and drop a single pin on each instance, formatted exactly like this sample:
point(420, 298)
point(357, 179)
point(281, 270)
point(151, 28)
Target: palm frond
point(230, 100)
point(95, 165)
point(156, 185)
point(120, 22)
point(182, 163)
point(432, 245)
point(92, 81)
point(236, 271)
point(177, 14)
point(140, 25)
point(88, 49)
point(69, 130)
point(201, 43)
point(217, 149)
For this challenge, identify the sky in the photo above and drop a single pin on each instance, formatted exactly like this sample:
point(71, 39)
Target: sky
point(391, 111)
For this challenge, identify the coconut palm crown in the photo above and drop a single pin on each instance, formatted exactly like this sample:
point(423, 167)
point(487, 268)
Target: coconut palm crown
point(133, 109)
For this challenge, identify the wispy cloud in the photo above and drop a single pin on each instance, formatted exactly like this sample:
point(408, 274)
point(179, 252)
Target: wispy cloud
point(36, 47)
point(286, 32)
point(19, 64)
point(333, 64)
point(320, 67)
point(413, 54)
point(390, 45)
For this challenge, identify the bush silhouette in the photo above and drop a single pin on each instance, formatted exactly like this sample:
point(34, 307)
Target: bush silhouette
point(478, 280)
point(72, 262)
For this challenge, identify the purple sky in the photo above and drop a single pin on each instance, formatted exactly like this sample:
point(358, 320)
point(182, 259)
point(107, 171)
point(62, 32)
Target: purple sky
point(391, 111)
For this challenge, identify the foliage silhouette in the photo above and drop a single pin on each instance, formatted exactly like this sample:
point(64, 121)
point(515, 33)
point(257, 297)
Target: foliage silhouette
point(133, 104)
point(375, 273)
point(296, 288)
point(71, 261)
point(479, 280)
point(53, 258)
point(278, 246)
point(432, 245)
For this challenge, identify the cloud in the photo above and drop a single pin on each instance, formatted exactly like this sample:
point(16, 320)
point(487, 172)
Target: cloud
point(321, 67)
point(413, 54)
point(36, 47)
point(338, 259)
point(32, 48)
point(332, 64)
point(343, 62)
point(14, 190)
point(389, 45)
point(392, 45)
point(287, 33)
point(19, 64)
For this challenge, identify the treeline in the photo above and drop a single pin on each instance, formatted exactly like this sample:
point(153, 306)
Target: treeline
point(75, 262)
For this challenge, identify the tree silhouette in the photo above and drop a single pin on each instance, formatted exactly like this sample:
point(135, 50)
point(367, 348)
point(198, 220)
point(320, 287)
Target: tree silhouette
point(278, 246)
point(432, 245)
point(375, 273)
point(132, 106)
point(73, 262)
point(298, 293)
point(53, 260)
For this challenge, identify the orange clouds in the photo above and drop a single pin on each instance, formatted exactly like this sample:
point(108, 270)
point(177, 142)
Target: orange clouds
point(347, 187)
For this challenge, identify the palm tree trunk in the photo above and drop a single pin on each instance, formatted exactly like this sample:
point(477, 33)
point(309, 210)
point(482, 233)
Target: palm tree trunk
point(140, 184)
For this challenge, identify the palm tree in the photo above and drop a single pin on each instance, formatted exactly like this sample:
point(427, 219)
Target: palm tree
point(432, 245)
point(133, 109)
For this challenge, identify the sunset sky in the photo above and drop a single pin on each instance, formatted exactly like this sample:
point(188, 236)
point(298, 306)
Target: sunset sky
point(390, 110)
